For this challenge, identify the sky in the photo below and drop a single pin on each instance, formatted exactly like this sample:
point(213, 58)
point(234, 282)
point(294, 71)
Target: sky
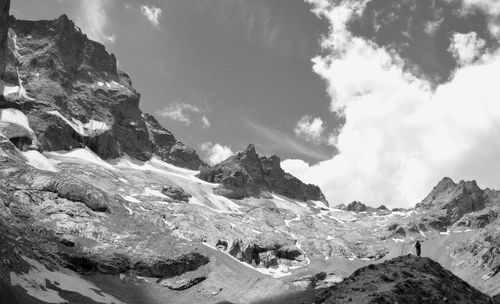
point(373, 100)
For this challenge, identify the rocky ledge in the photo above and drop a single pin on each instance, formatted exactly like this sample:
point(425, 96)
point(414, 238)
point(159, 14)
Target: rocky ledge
point(248, 174)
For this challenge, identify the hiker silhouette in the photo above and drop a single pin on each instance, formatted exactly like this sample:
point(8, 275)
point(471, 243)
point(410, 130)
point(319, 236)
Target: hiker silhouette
point(417, 247)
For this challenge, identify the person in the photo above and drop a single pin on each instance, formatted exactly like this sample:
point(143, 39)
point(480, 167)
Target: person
point(417, 246)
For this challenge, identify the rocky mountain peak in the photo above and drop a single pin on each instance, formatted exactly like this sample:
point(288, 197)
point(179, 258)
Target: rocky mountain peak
point(449, 201)
point(73, 95)
point(66, 50)
point(248, 174)
point(356, 207)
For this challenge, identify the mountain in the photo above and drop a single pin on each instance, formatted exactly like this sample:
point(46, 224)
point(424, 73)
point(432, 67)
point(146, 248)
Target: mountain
point(74, 96)
point(246, 174)
point(101, 204)
point(406, 279)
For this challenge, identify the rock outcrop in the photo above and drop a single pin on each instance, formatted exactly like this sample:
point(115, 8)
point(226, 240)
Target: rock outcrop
point(452, 201)
point(406, 279)
point(75, 96)
point(246, 174)
point(4, 29)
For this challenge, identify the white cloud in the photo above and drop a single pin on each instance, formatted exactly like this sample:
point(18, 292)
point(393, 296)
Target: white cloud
point(400, 136)
point(489, 6)
point(281, 141)
point(186, 113)
point(311, 129)
point(215, 153)
point(205, 123)
point(152, 13)
point(93, 20)
point(466, 47)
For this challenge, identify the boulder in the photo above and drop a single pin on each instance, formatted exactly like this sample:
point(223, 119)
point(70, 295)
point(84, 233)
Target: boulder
point(176, 193)
point(182, 283)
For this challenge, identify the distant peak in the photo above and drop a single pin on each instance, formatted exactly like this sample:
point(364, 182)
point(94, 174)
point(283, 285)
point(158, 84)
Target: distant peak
point(250, 149)
point(446, 181)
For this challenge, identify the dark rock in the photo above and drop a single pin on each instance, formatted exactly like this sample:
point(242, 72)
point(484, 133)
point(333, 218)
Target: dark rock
point(356, 207)
point(4, 29)
point(176, 193)
point(455, 200)
point(406, 279)
point(182, 283)
point(168, 267)
point(168, 148)
point(309, 281)
point(246, 174)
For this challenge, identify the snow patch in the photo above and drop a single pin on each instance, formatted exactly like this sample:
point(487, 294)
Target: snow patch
point(445, 233)
point(34, 282)
point(14, 123)
point(152, 192)
point(131, 199)
point(84, 155)
point(398, 240)
point(39, 161)
point(129, 210)
point(91, 128)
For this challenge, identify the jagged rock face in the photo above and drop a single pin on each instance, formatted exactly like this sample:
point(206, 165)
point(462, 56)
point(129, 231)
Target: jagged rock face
point(356, 207)
point(168, 148)
point(456, 200)
point(4, 28)
point(246, 174)
point(74, 96)
point(406, 279)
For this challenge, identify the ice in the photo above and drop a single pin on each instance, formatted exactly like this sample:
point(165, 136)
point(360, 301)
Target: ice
point(35, 281)
point(131, 199)
point(153, 192)
point(129, 210)
point(91, 128)
point(445, 233)
point(84, 155)
point(39, 161)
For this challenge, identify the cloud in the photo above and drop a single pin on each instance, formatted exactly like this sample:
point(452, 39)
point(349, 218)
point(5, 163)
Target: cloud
point(186, 113)
point(205, 123)
point(310, 129)
point(281, 141)
point(215, 153)
point(488, 6)
point(92, 18)
point(466, 47)
point(152, 13)
point(401, 136)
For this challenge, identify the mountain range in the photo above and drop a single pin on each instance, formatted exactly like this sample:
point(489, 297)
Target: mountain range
point(99, 203)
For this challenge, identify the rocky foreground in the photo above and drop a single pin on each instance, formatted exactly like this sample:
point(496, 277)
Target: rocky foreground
point(407, 279)
point(101, 204)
